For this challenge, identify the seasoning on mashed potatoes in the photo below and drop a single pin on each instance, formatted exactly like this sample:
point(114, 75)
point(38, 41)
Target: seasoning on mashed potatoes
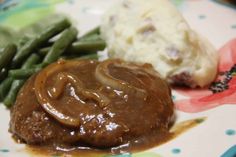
point(154, 31)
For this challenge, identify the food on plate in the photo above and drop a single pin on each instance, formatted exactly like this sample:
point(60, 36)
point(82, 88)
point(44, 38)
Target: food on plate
point(7, 55)
point(156, 33)
point(58, 102)
point(90, 103)
point(21, 58)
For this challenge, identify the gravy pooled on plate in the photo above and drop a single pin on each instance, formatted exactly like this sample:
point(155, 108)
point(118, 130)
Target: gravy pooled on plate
point(95, 104)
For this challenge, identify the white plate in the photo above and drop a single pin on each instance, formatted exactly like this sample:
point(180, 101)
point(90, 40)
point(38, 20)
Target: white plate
point(212, 138)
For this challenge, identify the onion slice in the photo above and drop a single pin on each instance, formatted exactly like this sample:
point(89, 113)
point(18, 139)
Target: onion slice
point(46, 97)
point(102, 74)
point(63, 78)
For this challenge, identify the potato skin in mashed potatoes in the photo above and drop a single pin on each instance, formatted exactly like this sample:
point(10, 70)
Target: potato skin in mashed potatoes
point(156, 33)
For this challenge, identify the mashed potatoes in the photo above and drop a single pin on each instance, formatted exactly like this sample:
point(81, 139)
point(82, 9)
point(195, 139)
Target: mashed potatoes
point(155, 32)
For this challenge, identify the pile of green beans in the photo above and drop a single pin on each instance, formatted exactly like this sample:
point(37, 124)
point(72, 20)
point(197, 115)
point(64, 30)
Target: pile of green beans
point(31, 54)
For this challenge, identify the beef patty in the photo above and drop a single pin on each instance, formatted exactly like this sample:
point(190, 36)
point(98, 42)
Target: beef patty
point(85, 102)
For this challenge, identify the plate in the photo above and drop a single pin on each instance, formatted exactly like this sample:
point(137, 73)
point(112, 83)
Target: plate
point(215, 135)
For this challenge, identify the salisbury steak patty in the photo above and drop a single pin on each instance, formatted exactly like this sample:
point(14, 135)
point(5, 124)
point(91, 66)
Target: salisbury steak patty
point(101, 104)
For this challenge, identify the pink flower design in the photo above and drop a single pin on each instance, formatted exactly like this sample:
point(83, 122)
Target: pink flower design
point(203, 99)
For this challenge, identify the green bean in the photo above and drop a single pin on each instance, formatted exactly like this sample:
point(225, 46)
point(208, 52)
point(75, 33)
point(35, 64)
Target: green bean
point(23, 40)
point(38, 41)
point(11, 96)
point(3, 74)
point(95, 30)
point(32, 60)
point(13, 86)
point(5, 86)
point(26, 69)
point(59, 47)
point(83, 56)
point(53, 30)
point(43, 51)
point(92, 37)
point(87, 46)
point(80, 47)
point(7, 55)
point(23, 73)
point(90, 56)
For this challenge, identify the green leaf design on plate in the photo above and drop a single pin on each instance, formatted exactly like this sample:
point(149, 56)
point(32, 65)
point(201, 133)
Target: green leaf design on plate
point(27, 11)
point(28, 16)
point(8, 35)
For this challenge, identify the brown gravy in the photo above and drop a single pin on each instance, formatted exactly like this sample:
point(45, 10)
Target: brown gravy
point(176, 131)
point(112, 106)
point(134, 146)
